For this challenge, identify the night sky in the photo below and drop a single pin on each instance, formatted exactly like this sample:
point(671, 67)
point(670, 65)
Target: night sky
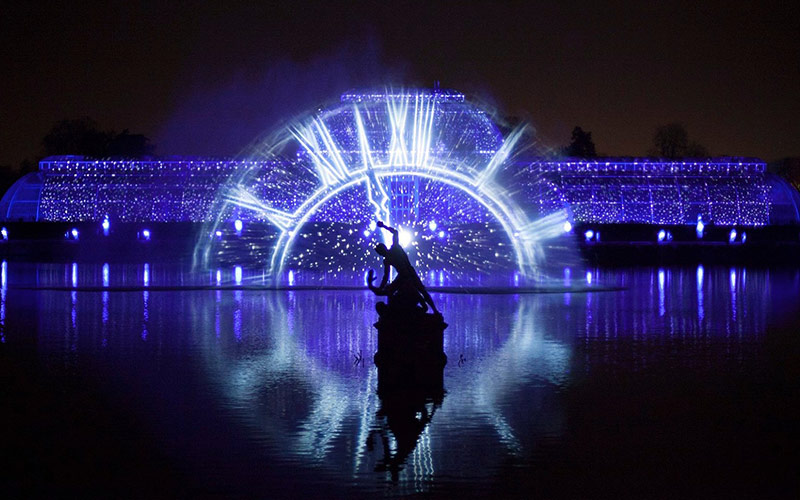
point(207, 79)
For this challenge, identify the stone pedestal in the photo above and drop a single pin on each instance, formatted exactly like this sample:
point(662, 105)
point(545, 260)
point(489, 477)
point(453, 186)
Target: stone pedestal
point(410, 351)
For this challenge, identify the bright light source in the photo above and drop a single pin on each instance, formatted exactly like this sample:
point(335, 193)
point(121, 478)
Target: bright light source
point(291, 278)
point(106, 225)
point(405, 238)
point(218, 233)
point(366, 233)
point(700, 228)
point(4, 233)
point(567, 226)
point(432, 225)
point(662, 235)
point(744, 236)
point(237, 274)
point(238, 226)
point(588, 235)
point(74, 233)
point(146, 234)
point(441, 234)
point(732, 236)
point(373, 225)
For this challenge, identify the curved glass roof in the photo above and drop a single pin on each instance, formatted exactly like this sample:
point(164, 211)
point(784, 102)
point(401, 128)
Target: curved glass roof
point(21, 201)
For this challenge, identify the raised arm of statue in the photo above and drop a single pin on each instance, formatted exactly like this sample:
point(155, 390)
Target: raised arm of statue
point(395, 232)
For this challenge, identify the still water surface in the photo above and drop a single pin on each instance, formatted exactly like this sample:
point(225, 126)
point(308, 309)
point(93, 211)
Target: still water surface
point(681, 381)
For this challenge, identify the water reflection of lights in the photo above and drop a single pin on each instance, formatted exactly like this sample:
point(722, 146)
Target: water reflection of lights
point(282, 361)
point(3, 290)
point(700, 310)
point(309, 351)
point(733, 293)
point(104, 316)
point(145, 314)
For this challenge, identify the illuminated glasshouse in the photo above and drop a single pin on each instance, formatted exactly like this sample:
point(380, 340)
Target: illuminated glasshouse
point(428, 161)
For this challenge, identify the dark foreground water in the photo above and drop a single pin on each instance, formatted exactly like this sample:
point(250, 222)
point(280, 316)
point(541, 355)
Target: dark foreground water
point(685, 383)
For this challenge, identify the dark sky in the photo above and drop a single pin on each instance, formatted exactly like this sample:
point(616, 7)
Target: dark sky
point(207, 79)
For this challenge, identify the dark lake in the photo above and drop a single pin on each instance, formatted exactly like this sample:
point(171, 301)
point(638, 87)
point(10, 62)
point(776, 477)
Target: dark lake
point(134, 381)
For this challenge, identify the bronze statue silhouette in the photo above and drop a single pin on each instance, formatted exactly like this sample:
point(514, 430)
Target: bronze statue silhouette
point(407, 285)
point(410, 353)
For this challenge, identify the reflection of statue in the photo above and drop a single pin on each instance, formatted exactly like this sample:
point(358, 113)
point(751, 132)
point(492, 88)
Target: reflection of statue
point(407, 278)
point(404, 414)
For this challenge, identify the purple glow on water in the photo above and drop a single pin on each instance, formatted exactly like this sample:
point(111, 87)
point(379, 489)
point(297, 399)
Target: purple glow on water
point(262, 386)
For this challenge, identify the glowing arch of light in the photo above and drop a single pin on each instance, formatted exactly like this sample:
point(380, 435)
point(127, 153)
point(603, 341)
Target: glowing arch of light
point(409, 154)
point(500, 209)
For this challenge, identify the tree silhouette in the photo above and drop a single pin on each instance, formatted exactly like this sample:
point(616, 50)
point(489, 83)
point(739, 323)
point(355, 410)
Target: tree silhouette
point(695, 150)
point(83, 137)
point(76, 137)
point(581, 145)
point(129, 145)
point(672, 141)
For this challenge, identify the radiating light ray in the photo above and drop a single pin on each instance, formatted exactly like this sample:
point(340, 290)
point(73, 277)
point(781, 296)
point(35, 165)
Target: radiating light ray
point(549, 226)
point(397, 111)
point(308, 140)
point(242, 198)
point(499, 158)
point(332, 149)
point(376, 192)
point(410, 139)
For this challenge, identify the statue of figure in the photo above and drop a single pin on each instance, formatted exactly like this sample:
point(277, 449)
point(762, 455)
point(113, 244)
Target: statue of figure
point(407, 282)
point(402, 295)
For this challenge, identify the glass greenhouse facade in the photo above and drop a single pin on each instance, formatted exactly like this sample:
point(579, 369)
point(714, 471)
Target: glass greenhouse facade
point(723, 191)
point(609, 190)
point(408, 157)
